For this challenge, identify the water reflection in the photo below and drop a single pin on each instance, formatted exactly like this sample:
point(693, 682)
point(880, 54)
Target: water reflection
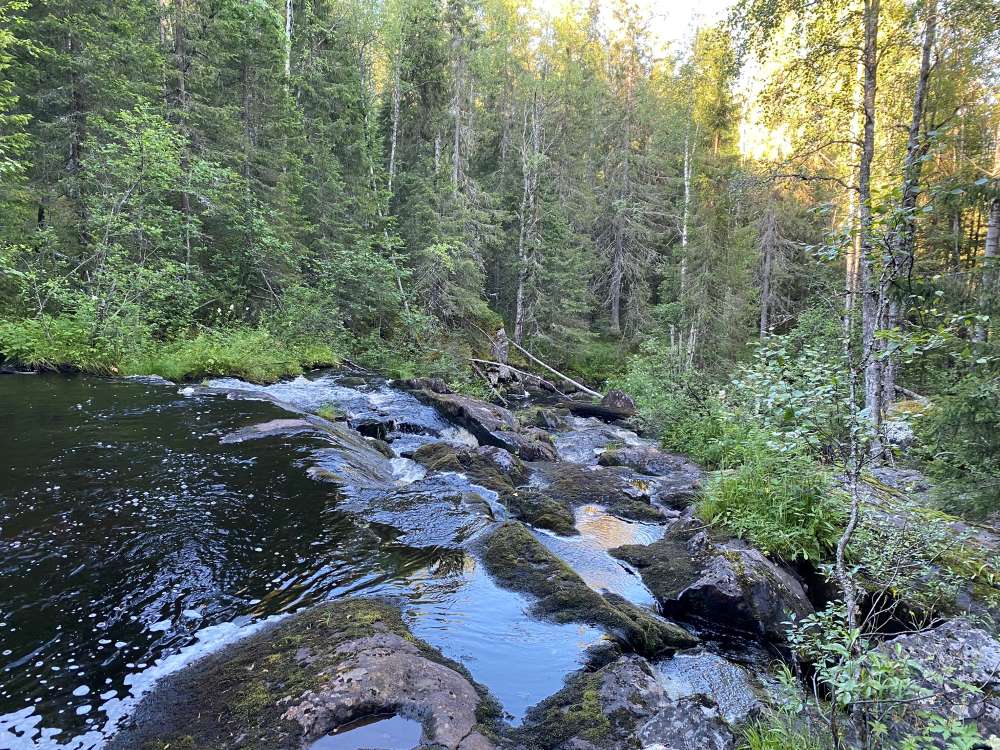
point(135, 538)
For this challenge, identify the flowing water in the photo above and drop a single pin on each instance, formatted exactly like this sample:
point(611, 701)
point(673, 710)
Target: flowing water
point(143, 525)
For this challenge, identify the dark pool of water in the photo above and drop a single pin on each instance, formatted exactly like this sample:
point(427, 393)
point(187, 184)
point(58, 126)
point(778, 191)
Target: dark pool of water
point(132, 540)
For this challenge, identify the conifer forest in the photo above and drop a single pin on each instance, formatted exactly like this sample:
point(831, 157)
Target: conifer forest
point(599, 374)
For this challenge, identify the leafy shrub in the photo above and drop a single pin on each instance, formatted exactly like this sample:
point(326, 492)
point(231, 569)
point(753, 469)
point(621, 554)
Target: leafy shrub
point(596, 360)
point(796, 390)
point(769, 490)
point(49, 342)
point(782, 503)
point(883, 693)
point(675, 403)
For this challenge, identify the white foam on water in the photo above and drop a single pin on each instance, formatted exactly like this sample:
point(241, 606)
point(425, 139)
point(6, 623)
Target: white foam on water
point(407, 471)
point(22, 730)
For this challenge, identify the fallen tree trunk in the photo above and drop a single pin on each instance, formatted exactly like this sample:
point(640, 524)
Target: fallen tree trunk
point(489, 383)
point(529, 377)
point(554, 371)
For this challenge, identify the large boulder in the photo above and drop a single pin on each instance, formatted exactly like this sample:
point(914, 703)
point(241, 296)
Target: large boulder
point(648, 459)
point(934, 565)
point(727, 586)
point(490, 424)
point(620, 401)
point(620, 707)
point(673, 481)
point(435, 385)
point(517, 560)
point(946, 660)
point(295, 682)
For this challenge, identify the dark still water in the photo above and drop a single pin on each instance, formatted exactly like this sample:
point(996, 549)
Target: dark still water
point(133, 539)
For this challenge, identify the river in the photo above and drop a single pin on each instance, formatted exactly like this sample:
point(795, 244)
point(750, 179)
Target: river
point(143, 525)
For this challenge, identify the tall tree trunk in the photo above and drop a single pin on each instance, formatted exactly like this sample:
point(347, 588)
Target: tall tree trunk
point(619, 247)
point(685, 212)
point(458, 83)
point(77, 135)
point(288, 38)
point(904, 237)
point(181, 104)
point(531, 147)
point(851, 264)
point(394, 132)
point(768, 248)
point(872, 283)
point(991, 250)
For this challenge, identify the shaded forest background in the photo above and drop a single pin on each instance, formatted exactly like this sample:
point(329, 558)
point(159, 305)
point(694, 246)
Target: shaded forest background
point(199, 186)
point(780, 238)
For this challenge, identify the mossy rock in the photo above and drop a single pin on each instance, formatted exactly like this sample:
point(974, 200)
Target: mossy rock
point(573, 712)
point(574, 486)
point(237, 697)
point(667, 566)
point(490, 467)
point(535, 507)
point(520, 562)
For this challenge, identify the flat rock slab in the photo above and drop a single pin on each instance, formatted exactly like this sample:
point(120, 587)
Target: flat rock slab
point(288, 686)
point(273, 428)
point(385, 673)
point(520, 562)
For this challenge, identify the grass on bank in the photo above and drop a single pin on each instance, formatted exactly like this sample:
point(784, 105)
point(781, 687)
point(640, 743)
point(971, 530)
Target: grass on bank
point(260, 353)
point(251, 353)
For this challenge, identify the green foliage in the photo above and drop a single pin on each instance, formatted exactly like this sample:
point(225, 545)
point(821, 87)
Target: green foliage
point(676, 403)
point(782, 503)
point(253, 354)
point(596, 360)
point(48, 342)
point(51, 342)
point(960, 442)
point(769, 490)
point(795, 388)
point(887, 695)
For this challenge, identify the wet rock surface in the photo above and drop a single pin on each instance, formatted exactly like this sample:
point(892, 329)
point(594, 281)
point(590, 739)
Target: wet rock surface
point(491, 424)
point(738, 692)
point(572, 485)
point(518, 560)
point(307, 676)
point(726, 584)
point(624, 705)
point(491, 467)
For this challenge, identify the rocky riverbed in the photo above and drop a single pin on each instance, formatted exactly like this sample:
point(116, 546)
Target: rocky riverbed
point(530, 579)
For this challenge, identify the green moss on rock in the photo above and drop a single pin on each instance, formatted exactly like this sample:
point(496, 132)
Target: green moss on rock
point(622, 496)
point(488, 467)
point(575, 711)
point(236, 698)
point(519, 561)
point(667, 566)
point(535, 507)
